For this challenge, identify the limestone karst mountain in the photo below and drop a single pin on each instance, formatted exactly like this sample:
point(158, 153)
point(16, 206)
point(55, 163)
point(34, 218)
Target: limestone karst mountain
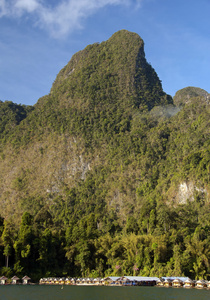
point(106, 157)
point(100, 94)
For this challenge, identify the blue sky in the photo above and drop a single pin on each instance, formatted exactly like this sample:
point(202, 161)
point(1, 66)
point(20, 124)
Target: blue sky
point(39, 37)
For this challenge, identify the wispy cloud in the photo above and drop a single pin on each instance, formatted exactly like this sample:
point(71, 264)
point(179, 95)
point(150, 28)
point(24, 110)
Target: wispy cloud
point(2, 8)
point(15, 8)
point(28, 6)
point(62, 18)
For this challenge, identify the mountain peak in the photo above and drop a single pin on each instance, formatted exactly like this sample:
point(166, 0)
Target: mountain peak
point(111, 71)
point(187, 94)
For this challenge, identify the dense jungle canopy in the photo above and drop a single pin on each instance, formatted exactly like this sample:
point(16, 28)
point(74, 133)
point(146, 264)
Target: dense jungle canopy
point(106, 175)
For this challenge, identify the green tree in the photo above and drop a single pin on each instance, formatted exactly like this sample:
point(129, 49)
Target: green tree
point(7, 240)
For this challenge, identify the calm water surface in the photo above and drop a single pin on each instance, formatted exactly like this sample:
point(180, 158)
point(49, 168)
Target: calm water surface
point(99, 293)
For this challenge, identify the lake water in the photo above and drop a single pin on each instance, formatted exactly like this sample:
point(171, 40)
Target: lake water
point(36, 292)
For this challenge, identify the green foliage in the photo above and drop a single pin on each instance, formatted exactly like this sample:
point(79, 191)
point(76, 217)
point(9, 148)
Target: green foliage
point(11, 115)
point(185, 95)
point(91, 176)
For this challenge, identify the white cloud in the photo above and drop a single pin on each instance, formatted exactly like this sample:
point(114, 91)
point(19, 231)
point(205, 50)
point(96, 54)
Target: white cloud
point(27, 5)
point(61, 18)
point(70, 14)
point(2, 8)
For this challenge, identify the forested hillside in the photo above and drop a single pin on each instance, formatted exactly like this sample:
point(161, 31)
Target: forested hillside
point(107, 174)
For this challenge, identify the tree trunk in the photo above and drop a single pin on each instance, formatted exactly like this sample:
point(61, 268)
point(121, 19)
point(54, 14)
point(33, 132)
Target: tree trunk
point(7, 261)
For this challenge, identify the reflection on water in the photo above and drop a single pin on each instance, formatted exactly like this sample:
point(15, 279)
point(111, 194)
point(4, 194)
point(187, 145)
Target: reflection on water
point(99, 293)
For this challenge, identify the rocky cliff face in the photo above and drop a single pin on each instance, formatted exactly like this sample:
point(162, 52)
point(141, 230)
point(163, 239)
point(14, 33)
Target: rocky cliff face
point(188, 190)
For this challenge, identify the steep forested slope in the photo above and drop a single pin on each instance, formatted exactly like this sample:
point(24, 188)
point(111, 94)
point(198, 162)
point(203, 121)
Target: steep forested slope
point(106, 175)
